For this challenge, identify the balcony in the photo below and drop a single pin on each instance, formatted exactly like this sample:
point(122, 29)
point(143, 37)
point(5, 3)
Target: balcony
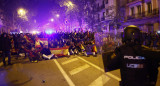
point(130, 17)
point(130, 2)
point(152, 13)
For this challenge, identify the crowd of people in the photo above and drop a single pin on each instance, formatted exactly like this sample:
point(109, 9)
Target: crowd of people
point(78, 43)
point(151, 40)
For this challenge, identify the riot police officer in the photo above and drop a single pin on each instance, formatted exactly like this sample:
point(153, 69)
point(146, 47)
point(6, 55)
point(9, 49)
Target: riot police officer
point(137, 63)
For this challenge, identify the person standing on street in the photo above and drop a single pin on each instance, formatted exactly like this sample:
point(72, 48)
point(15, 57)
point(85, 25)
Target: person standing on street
point(21, 42)
point(138, 64)
point(6, 46)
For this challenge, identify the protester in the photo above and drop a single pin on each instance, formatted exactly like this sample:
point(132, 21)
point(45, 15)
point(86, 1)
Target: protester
point(21, 42)
point(33, 53)
point(76, 41)
point(46, 53)
point(0, 45)
point(6, 46)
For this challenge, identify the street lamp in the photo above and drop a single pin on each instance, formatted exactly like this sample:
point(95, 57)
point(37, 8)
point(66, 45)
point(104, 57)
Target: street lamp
point(52, 20)
point(57, 15)
point(22, 13)
point(69, 4)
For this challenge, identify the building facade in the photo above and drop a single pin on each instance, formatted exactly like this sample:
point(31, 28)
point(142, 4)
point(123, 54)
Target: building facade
point(109, 15)
point(142, 13)
point(102, 14)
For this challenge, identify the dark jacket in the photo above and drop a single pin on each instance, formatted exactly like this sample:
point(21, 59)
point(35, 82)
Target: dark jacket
point(46, 51)
point(138, 65)
point(21, 42)
point(0, 43)
point(6, 44)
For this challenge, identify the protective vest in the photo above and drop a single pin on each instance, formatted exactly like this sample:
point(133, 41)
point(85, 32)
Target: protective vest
point(138, 65)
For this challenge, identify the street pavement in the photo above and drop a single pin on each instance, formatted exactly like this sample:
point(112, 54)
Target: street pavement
point(73, 71)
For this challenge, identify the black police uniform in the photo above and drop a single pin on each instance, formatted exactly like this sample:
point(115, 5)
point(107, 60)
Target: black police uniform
point(138, 64)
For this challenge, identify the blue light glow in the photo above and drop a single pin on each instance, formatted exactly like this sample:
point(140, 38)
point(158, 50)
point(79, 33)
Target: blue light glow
point(49, 31)
point(158, 32)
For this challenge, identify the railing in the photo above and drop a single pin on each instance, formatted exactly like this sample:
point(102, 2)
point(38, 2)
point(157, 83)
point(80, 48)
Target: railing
point(130, 1)
point(152, 13)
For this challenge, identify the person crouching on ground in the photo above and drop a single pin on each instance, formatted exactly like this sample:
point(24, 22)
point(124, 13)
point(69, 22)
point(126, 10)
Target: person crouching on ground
point(46, 53)
point(33, 53)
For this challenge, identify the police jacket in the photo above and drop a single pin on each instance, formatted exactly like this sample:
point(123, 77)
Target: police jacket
point(138, 65)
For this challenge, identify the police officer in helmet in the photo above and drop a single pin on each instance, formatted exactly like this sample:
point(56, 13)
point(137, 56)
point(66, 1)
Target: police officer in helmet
point(138, 64)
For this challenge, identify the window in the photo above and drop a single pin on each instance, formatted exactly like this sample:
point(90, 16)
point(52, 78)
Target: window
point(87, 13)
point(139, 9)
point(98, 17)
point(103, 14)
point(103, 4)
point(132, 11)
point(106, 1)
point(149, 5)
point(107, 11)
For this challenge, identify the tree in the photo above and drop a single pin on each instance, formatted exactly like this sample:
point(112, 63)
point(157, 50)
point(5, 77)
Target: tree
point(116, 16)
point(9, 12)
point(90, 11)
point(79, 10)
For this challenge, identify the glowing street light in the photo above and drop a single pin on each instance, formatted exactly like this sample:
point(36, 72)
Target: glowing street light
point(69, 4)
point(57, 15)
point(52, 20)
point(21, 12)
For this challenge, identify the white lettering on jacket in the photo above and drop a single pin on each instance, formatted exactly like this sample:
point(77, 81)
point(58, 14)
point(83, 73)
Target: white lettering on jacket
point(134, 58)
point(135, 66)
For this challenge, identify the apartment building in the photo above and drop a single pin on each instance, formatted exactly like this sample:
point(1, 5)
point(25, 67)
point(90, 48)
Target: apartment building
point(107, 14)
point(102, 12)
point(142, 13)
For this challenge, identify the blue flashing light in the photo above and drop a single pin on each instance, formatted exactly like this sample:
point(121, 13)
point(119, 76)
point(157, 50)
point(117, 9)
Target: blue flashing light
point(49, 31)
point(158, 32)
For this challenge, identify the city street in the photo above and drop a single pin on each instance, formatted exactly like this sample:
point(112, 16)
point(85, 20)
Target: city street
point(72, 71)
point(50, 28)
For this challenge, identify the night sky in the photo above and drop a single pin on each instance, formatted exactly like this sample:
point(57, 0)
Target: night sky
point(37, 9)
point(44, 8)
